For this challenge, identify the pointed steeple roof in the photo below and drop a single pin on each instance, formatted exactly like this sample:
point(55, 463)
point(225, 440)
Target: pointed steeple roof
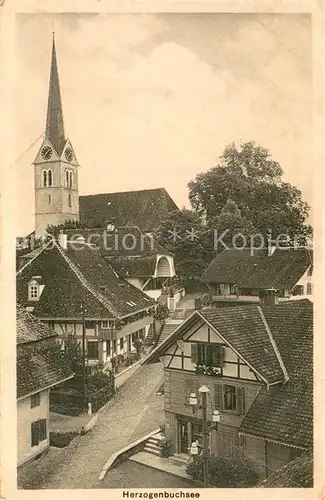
point(54, 121)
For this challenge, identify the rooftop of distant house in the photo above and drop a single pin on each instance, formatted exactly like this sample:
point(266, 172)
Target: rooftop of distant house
point(279, 268)
point(74, 275)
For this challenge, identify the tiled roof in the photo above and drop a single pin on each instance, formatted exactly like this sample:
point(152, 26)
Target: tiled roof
point(281, 270)
point(285, 413)
point(145, 208)
point(296, 474)
point(124, 241)
point(76, 273)
point(29, 328)
point(243, 328)
point(35, 373)
point(140, 267)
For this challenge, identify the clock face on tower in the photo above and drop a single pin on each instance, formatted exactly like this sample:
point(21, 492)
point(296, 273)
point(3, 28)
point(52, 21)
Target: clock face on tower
point(46, 153)
point(68, 154)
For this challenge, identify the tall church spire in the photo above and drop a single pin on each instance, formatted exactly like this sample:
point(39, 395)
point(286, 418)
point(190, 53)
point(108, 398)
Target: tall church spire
point(54, 121)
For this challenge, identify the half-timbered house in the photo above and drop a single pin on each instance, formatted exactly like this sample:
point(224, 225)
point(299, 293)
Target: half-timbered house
point(73, 289)
point(247, 356)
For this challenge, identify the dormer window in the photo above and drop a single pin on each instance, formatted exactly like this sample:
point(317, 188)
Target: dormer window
point(33, 291)
point(35, 288)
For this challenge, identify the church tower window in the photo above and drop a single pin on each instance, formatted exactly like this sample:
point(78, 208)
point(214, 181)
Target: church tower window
point(49, 177)
point(44, 178)
point(69, 200)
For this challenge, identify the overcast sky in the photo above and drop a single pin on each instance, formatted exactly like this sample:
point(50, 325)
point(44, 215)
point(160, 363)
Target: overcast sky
point(152, 100)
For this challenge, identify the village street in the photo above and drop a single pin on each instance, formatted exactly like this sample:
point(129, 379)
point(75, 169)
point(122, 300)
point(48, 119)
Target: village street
point(134, 412)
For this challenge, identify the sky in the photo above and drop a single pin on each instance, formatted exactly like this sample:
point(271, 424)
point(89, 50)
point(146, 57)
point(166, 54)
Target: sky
point(152, 100)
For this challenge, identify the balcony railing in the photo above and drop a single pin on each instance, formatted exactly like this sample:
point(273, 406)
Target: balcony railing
point(124, 330)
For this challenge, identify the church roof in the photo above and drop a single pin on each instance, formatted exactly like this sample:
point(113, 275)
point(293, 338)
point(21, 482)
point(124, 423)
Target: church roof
point(54, 121)
point(144, 208)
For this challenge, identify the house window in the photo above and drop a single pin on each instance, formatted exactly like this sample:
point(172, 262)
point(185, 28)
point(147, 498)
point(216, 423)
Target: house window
point(105, 324)
point(69, 200)
point(309, 289)
point(229, 398)
point(108, 347)
point(50, 177)
point(92, 349)
point(207, 354)
point(298, 290)
point(310, 271)
point(114, 346)
point(33, 290)
point(121, 343)
point(38, 431)
point(35, 400)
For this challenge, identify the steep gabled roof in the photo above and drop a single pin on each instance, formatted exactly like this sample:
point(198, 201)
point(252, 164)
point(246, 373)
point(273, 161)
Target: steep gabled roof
point(144, 208)
point(124, 241)
point(256, 269)
point(75, 274)
point(285, 414)
point(296, 474)
point(34, 372)
point(30, 329)
point(243, 329)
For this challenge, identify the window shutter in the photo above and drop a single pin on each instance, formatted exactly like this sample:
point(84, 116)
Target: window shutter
point(216, 355)
point(34, 433)
point(194, 353)
point(221, 356)
point(218, 396)
point(42, 427)
point(240, 396)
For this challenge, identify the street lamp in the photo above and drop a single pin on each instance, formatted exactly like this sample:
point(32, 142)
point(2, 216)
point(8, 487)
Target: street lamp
point(194, 449)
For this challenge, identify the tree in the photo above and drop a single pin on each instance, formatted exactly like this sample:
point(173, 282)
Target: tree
point(183, 233)
point(68, 224)
point(230, 223)
point(252, 179)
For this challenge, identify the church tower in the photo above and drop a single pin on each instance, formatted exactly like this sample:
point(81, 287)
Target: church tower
point(55, 166)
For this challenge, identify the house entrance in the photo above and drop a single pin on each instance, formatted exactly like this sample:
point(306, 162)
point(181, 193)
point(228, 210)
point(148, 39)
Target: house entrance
point(183, 437)
point(187, 433)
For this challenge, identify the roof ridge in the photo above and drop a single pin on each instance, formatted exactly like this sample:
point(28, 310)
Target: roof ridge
point(275, 347)
point(131, 191)
point(84, 281)
point(35, 256)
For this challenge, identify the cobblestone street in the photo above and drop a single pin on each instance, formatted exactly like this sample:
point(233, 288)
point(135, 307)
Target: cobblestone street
point(135, 411)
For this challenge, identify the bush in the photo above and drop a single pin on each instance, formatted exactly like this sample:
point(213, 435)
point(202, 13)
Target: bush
point(62, 439)
point(165, 446)
point(224, 472)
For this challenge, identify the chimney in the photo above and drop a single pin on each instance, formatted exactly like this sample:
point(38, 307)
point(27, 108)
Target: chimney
point(63, 240)
point(269, 296)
